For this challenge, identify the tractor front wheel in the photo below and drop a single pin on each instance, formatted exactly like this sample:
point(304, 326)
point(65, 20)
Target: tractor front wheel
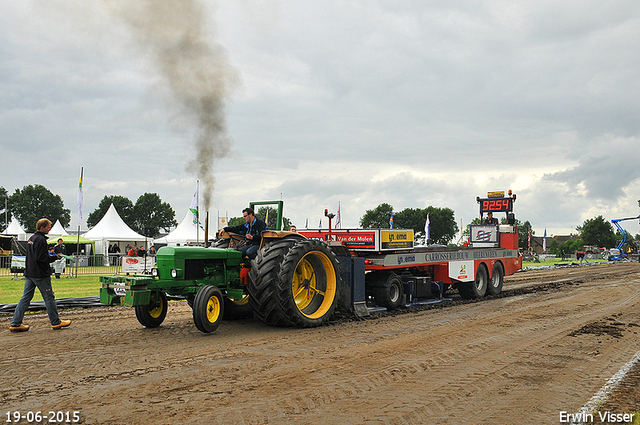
point(208, 309)
point(153, 314)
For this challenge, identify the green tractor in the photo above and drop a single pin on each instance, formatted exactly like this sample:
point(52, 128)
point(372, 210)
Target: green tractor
point(293, 281)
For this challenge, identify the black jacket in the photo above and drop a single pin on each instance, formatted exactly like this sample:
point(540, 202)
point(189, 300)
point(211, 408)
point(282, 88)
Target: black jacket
point(254, 229)
point(38, 258)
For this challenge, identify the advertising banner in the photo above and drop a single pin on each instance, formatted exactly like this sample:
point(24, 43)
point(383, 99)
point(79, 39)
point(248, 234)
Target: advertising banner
point(462, 271)
point(138, 264)
point(396, 239)
point(485, 235)
point(363, 239)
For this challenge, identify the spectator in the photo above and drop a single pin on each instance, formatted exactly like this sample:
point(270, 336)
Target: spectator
point(37, 274)
point(133, 252)
point(60, 248)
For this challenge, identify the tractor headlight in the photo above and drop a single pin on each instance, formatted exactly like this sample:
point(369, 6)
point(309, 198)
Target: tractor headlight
point(154, 272)
point(174, 273)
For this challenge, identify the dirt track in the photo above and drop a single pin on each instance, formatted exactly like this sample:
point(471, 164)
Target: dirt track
point(547, 346)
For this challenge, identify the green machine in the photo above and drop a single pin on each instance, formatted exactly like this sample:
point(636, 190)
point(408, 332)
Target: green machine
point(212, 280)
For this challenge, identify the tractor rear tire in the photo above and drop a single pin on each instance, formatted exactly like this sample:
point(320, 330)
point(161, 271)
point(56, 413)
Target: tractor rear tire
point(152, 315)
point(497, 280)
point(476, 289)
point(264, 279)
point(208, 309)
point(237, 309)
point(309, 284)
point(391, 293)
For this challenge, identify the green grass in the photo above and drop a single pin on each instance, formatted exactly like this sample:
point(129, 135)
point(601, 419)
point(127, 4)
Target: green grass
point(65, 287)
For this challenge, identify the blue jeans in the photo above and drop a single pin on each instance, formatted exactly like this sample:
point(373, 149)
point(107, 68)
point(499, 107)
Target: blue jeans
point(30, 285)
point(250, 251)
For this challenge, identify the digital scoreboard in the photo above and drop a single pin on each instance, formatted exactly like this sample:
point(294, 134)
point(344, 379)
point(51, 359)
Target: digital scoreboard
point(496, 204)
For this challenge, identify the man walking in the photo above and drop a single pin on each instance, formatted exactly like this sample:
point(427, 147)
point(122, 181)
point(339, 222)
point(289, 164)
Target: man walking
point(37, 274)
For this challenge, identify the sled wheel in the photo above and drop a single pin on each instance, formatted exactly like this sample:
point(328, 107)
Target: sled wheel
point(153, 314)
point(477, 288)
point(391, 293)
point(496, 281)
point(308, 287)
point(208, 309)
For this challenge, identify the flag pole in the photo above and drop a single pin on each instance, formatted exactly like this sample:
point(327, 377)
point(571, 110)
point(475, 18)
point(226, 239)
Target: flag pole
point(79, 217)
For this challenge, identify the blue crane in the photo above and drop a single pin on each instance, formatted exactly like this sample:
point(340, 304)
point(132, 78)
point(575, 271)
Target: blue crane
point(616, 222)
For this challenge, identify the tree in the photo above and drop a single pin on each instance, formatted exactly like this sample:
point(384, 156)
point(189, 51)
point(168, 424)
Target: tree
point(597, 231)
point(4, 196)
point(410, 218)
point(151, 215)
point(442, 226)
point(523, 234)
point(273, 218)
point(123, 205)
point(35, 202)
point(235, 221)
point(377, 218)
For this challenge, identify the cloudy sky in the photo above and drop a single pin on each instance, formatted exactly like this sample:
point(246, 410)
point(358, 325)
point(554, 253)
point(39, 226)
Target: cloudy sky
point(413, 103)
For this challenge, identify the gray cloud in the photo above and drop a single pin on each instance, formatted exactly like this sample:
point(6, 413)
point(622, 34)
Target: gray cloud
point(414, 104)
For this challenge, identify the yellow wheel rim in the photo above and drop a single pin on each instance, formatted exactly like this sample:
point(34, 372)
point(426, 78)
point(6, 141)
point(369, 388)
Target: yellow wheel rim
point(156, 311)
point(213, 309)
point(314, 284)
point(240, 301)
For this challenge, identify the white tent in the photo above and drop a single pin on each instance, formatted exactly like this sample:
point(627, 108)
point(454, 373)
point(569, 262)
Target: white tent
point(57, 230)
point(185, 232)
point(111, 228)
point(14, 228)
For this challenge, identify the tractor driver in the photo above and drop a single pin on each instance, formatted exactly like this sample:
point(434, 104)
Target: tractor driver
point(490, 219)
point(251, 230)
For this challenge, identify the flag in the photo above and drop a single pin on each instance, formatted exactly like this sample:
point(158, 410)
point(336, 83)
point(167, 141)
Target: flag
point(391, 221)
point(267, 219)
point(80, 197)
point(544, 241)
point(194, 205)
point(529, 238)
point(338, 217)
point(426, 230)
point(306, 223)
point(320, 225)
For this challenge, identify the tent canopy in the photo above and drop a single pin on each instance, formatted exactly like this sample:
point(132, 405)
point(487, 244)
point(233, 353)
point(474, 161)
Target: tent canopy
point(14, 228)
point(185, 232)
point(69, 239)
point(113, 228)
point(57, 229)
